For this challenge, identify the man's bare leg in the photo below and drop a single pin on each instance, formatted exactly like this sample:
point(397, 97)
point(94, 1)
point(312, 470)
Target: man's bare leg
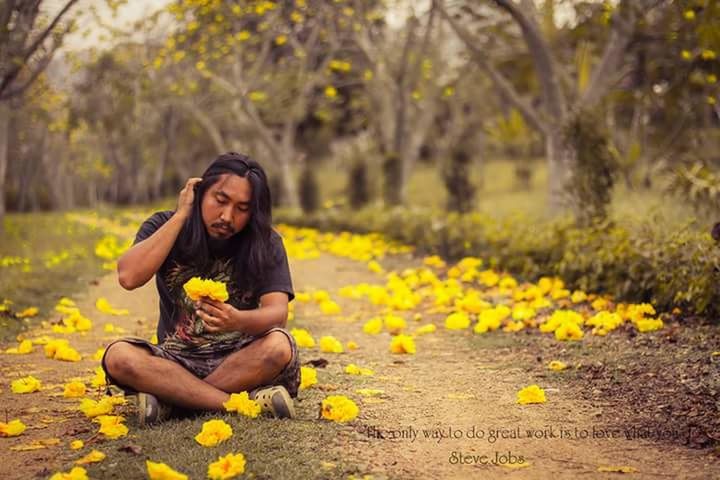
point(136, 367)
point(254, 365)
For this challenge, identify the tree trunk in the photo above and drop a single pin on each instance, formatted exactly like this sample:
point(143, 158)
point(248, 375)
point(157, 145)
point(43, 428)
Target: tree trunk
point(4, 128)
point(560, 158)
point(290, 193)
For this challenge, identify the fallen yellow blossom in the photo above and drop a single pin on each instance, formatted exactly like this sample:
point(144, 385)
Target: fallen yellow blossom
point(241, 403)
point(92, 457)
point(213, 432)
point(373, 326)
point(160, 471)
point(331, 344)
point(557, 365)
point(25, 347)
point(111, 426)
point(74, 389)
point(308, 377)
point(12, 429)
point(27, 384)
point(229, 466)
point(302, 338)
point(27, 313)
point(531, 394)
point(77, 473)
point(353, 369)
point(339, 408)
point(103, 305)
point(402, 344)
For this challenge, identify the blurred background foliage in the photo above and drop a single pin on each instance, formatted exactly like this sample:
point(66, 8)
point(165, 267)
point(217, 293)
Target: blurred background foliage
point(555, 136)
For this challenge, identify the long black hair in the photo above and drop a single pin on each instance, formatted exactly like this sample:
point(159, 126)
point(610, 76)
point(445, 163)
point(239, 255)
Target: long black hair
point(251, 247)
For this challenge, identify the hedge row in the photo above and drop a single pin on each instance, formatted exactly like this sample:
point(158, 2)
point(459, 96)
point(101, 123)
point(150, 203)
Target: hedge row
point(678, 267)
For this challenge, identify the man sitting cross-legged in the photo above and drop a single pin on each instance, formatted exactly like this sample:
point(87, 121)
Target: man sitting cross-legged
point(208, 349)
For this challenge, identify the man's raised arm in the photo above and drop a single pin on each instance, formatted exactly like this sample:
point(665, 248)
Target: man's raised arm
point(142, 260)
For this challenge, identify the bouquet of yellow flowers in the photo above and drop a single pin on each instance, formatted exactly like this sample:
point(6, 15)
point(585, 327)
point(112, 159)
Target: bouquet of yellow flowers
point(197, 288)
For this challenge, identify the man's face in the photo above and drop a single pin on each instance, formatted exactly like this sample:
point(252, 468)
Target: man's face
point(226, 206)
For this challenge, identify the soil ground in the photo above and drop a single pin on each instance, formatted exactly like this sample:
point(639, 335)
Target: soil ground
point(648, 402)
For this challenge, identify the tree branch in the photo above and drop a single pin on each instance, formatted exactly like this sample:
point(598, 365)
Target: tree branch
point(541, 53)
point(604, 75)
point(10, 76)
point(499, 80)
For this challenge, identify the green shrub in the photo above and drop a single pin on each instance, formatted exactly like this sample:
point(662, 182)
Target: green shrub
point(668, 268)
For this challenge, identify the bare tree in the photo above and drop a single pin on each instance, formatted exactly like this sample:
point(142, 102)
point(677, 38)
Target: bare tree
point(25, 52)
point(557, 106)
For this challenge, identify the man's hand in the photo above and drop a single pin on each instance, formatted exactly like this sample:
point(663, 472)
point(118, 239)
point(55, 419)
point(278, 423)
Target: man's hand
point(186, 197)
point(217, 316)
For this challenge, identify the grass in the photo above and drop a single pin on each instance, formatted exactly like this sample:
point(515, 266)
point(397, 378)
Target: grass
point(56, 258)
point(49, 255)
point(499, 195)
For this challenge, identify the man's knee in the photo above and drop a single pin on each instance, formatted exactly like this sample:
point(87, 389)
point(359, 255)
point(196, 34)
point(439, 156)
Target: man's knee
point(277, 351)
point(122, 359)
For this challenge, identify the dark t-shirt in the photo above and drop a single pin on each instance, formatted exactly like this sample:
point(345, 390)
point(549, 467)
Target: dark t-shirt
point(177, 322)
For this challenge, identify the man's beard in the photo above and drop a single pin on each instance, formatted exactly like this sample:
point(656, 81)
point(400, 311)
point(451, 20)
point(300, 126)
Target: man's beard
point(218, 245)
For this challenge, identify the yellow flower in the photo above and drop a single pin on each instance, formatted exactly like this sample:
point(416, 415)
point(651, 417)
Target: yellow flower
point(339, 408)
point(557, 365)
point(104, 306)
point(531, 394)
point(12, 429)
point(402, 344)
point(302, 338)
point(330, 344)
point(67, 353)
point(94, 408)
point(160, 471)
point(373, 326)
point(229, 466)
point(74, 389)
point(241, 403)
point(281, 40)
point(111, 426)
point(99, 379)
point(457, 321)
point(649, 324)
point(92, 457)
point(213, 432)
point(28, 312)
point(394, 324)
point(77, 473)
point(329, 307)
point(568, 331)
point(242, 35)
point(429, 328)
point(330, 91)
point(256, 96)
point(352, 345)
point(308, 377)
point(578, 296)
point(77, 444)
point(25, 347)
point(353, 369)
point(689, 15)
point(375, 267)
point(708, 54)
point(197, 287)
point(27, 384)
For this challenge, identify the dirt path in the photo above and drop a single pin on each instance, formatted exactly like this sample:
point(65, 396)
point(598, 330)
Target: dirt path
point(458, 385)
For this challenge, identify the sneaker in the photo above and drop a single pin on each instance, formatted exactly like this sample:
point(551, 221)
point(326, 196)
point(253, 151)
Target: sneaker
point(150, 410)
point(274, 400)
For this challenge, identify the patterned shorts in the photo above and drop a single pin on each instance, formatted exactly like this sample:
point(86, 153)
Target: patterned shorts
point(202, 366)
